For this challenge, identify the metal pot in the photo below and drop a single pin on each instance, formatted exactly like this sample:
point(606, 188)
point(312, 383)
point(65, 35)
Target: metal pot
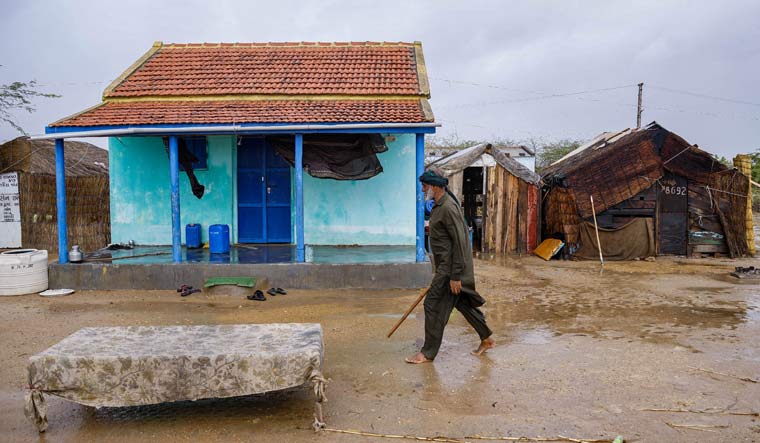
point(75, 256)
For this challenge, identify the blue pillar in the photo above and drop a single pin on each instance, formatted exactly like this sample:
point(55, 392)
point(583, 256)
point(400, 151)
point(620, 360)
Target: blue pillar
point(174, 173)
point(60, 196)
point(300, 256)
point(420, 168)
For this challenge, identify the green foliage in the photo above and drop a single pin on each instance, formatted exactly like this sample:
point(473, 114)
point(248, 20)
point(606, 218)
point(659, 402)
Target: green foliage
point(548, 153)
point(18, 96)
point(756, 178)
point(756, 165)
point(723, 160)
point(453, 142)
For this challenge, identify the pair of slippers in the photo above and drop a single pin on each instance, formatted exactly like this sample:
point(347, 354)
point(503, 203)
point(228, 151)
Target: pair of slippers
point(186, 290)
point(257, 296)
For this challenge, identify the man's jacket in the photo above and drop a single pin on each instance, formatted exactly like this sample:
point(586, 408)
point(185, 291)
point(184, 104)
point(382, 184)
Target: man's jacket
point(450, 247)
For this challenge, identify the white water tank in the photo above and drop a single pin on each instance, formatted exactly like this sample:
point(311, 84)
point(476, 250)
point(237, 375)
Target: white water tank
point(23, 271)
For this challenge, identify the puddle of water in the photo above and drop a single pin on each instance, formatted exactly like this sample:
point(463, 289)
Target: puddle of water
point(753, 314)
point(537, 336)
point(393, 316)
point(538, 320)
point(728, 278)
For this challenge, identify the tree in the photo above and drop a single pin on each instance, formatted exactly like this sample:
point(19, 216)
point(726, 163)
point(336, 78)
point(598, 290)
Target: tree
point(756, 165)
point(548, 153)
point(19, 95)
point(723, 160)
point(454, 143)
point(756, 178)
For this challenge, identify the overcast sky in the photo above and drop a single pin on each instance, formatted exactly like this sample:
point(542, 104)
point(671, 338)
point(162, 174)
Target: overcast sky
point(498, 69)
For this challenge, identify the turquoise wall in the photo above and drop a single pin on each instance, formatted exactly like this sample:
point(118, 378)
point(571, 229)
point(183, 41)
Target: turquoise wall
point(141, 193)
point(378, 211)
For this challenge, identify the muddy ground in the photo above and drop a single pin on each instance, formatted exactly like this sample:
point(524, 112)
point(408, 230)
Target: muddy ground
point(580, 353)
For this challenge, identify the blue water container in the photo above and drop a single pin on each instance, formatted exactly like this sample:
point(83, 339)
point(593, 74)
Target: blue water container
point(193, 235)
point(219, 239)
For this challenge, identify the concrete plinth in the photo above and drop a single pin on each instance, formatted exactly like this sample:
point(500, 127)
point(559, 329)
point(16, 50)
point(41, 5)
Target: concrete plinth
point(98, 276)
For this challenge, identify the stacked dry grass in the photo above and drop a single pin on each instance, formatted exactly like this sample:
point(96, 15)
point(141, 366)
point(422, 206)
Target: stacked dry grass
point(87, 211)
point(87, 192)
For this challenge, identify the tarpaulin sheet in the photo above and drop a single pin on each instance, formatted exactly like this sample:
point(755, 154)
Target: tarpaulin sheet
point(142, 365)
point(247, 282)
point(548, 248)
point(336, 156)
point(632, 240)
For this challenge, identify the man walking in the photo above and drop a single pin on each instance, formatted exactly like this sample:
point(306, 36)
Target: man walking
point(453, 284)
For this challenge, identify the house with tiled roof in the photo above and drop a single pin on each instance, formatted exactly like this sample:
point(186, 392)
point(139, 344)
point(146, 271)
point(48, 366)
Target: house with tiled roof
point(221, 134)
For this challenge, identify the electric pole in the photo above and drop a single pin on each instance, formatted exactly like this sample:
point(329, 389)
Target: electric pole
point(638, 110)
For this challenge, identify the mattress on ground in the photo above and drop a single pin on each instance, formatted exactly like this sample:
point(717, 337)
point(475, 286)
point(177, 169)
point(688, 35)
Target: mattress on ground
point(141, 365)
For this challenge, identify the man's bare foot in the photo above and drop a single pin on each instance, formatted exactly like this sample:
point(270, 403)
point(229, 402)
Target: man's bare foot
point(417, 359)
point(484, 346)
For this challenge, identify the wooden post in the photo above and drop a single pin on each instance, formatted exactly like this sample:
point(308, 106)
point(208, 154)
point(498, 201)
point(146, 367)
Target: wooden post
point(596, 228)
point(638, 108)
point(744, 164)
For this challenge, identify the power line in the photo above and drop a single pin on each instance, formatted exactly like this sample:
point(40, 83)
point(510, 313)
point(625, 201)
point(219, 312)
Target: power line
point(535, 99)
point(547, 95)
point(730, 116)
point(711, 97)
point(544, 94)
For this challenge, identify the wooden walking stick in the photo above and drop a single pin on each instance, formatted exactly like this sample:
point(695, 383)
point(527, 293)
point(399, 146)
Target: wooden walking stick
point(596, 228)
point(409, 311)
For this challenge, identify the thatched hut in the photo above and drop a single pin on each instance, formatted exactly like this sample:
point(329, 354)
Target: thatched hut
point(499, 197)
point(30, 208)
point(653, 194)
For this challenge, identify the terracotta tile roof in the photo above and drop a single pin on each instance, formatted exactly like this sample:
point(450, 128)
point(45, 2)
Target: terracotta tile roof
point(249, 111)
point(357, 68)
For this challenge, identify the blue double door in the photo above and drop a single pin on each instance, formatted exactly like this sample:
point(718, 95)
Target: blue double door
point(263, 194)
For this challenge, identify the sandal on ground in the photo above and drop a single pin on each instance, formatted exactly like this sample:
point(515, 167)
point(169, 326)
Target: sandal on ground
point(280, 291)
point(189, 290)
point(272, 292)
point(257, 296)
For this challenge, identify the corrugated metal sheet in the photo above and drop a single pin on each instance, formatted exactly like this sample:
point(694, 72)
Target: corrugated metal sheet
point(464, 158)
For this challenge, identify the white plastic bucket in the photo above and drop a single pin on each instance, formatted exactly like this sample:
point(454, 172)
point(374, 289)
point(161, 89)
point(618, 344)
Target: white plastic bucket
point(23, 271)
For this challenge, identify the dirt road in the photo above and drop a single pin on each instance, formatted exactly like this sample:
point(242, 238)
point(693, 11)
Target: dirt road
point(580, 353)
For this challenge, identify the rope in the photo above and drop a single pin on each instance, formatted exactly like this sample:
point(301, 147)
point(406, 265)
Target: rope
point(35, 409)
point(441, 438)
point(709, 194)
point(725, 192)
point(20, 160)
point(671, 158)
point(319, 392)
point(708, 188)
point(33, 151)
point(700, 222)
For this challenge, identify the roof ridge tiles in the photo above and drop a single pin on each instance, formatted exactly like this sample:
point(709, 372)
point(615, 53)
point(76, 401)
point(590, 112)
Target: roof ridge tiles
point(290, 68)
point(281, 44)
